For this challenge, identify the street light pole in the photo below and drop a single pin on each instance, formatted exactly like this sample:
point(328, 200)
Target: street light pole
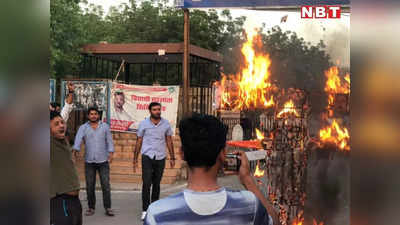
point(186, 62)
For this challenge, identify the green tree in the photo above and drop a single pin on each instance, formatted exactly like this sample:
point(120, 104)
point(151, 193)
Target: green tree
point(66, 36)
point(94, 27)
point(296, 63)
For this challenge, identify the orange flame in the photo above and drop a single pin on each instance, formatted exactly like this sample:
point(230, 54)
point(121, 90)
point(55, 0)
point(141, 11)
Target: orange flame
point(258, 173)
point(288, 108)
point(334, 84)
point(271, 135)
point(299, 219)
point(347, 79)
point(337, 135)
point(331, 99)
point(260, 135)
point(316, 223)
point(252, 82)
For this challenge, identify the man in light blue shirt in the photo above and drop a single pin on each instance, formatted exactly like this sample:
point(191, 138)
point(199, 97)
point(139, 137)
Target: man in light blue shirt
point(154, 135)
point(99, 149)
point(204, 201)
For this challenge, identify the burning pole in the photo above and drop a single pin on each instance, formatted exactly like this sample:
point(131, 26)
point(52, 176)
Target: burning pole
point(281, 176)
point(287, 163)
point(335, 133)
point(327, 190)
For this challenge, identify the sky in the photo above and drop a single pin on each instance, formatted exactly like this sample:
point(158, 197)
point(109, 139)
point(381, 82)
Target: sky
point(334, 32)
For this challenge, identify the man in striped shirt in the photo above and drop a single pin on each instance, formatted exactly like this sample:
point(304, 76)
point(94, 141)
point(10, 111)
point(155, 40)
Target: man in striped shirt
point(204, 201)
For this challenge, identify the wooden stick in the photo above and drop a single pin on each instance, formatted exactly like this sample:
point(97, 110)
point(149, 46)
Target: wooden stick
point(119, 70)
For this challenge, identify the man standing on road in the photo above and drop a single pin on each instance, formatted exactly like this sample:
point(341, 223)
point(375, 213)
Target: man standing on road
point(153, 135)
point(99, 149)
point(65, 206)
point(204, 201)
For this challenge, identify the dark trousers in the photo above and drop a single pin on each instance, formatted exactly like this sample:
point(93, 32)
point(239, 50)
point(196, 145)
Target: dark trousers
point(152, 171)
point(104, 173)
point(65, 210)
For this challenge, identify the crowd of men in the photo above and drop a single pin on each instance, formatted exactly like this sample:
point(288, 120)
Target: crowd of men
point(203, 201)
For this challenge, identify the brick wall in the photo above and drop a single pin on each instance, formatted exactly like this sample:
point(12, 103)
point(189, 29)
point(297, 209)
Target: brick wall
point(121, 170)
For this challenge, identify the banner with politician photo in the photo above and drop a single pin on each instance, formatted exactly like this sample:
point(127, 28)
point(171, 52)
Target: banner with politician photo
point(129, 105)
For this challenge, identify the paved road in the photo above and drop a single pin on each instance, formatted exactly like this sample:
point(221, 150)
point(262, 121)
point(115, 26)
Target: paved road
point(128, 206)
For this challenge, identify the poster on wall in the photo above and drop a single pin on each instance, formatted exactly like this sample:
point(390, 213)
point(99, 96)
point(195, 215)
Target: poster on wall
point(52, 90)
point(87, 94)
point(129, 105)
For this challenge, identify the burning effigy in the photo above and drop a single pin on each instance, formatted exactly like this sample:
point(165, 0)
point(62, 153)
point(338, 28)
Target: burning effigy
point(263, 108)
point(277, 120)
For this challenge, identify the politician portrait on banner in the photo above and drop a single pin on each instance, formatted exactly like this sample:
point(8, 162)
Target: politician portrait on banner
point(129, 105)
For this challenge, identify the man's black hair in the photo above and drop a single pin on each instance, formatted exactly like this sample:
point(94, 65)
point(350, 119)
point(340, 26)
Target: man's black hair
point(119, 93)
point(93, 109)
point(203, 137)
point(54, 114)
point(154, 104)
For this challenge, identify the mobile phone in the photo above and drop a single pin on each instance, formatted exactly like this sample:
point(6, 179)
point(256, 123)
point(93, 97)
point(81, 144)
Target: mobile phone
point(232, 162)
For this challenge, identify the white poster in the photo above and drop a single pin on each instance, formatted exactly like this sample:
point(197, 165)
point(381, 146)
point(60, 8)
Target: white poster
point(129, 105)
point(87, 94)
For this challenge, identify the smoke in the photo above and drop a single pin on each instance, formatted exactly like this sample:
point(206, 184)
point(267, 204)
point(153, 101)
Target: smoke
point(335, 35)
point(328, 190)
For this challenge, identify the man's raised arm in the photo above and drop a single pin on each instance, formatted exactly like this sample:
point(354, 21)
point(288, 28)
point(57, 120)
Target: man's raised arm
point(68, 106)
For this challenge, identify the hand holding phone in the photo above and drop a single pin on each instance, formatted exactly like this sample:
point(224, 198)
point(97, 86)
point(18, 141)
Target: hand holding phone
point(232, 162)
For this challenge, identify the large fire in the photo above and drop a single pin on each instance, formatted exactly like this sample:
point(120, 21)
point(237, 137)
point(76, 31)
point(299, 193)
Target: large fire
point(288, 108)
point(336, 135)
point(258, 173)
point(251, 87)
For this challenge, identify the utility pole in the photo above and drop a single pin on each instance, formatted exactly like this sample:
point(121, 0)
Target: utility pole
point(186, 62)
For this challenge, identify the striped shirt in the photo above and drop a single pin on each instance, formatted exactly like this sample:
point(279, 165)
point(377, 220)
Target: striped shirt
point(220, 207)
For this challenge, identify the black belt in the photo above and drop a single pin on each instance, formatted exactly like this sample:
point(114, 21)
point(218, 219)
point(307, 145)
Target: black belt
point(66, 196)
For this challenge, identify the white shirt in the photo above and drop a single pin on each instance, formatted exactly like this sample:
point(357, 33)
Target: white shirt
point(66, 110)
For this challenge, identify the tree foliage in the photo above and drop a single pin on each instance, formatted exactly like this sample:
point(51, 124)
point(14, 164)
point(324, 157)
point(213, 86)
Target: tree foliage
point(295, 62)
point(66, 36)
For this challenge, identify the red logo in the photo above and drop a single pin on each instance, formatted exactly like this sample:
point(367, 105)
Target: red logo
point(320, 12)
